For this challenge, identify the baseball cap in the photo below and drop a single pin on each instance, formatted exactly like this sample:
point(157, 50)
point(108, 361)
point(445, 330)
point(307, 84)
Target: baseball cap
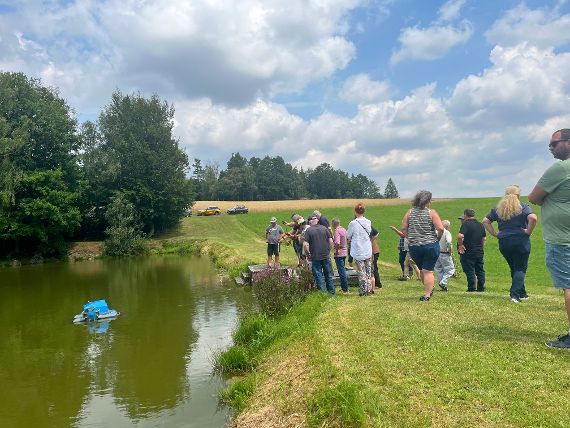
point(313, 217)
point(300, 220)
point(273, 219)
point(316, 213)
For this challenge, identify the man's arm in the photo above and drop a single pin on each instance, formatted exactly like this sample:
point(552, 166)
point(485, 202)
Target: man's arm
point(537, 196)
point(460, 246)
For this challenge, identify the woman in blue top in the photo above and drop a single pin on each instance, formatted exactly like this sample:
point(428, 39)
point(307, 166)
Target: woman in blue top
point(516, 222)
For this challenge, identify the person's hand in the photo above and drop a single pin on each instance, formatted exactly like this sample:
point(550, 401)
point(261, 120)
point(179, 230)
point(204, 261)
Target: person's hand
point(526, 232)
point(461, 249)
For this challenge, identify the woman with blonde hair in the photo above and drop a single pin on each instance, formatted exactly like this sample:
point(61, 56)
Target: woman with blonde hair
point(516, 222)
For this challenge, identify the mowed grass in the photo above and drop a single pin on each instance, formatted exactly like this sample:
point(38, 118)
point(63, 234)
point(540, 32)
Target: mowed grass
point(390, 360)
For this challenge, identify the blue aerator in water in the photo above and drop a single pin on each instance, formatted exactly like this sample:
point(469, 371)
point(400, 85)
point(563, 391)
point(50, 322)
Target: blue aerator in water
point(96, 311)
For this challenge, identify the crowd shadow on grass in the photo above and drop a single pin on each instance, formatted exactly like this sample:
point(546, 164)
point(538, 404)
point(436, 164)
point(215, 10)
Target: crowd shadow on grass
point(501, 333)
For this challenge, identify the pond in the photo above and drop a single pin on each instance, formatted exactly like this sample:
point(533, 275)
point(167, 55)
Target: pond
point(150, 367)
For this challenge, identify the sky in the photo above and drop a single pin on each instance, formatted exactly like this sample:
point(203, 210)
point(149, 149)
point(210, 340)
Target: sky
point(458, 97)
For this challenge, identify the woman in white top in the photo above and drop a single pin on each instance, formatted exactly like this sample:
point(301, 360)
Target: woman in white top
point(358, 235)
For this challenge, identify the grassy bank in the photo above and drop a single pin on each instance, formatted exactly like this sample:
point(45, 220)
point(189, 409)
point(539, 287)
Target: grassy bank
point(390, 360)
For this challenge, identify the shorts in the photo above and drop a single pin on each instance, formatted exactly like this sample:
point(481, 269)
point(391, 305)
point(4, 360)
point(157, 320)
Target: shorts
point(272, 250)
point(425, 256)
point(558, 264)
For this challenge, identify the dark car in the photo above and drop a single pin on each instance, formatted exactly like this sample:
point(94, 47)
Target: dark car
point(238, 209)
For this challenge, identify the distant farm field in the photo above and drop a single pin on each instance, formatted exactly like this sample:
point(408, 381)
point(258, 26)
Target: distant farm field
point(300, 204)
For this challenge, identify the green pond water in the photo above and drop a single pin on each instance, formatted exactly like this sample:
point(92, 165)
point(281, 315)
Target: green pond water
point(150, 367)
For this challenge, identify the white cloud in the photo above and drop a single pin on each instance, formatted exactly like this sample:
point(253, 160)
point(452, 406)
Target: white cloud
point(229, 51)
point(430, 43)
point(435, 41)
point(473, 143)
point(451, 10)
point(541, 27)
point(524, 85)
point(362, 89)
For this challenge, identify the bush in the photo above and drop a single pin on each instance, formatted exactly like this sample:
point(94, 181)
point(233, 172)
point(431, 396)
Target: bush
point(277, 292)
point(124, 236)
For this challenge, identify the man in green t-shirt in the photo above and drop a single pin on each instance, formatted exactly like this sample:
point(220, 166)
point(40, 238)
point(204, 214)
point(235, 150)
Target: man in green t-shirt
point(552, 192)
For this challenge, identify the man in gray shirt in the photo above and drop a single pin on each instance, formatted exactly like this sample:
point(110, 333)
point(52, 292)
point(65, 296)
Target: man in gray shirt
point(552, 193)
point(274, 234)
point(318, 242)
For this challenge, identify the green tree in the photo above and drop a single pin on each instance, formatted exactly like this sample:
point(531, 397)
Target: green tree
point(364, 187)
point(391, 192)
point(39, 175)
point(325, 182)
point(135, 154)
point(124, 235)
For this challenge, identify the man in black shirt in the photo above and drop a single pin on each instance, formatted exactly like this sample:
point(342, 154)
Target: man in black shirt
point(470, 242)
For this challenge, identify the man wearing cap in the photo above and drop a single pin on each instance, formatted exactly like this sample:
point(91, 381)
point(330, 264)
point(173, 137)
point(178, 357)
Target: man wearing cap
point(552, 193)
point(323, 221)
point(274, 234)
point(470, 242)
point(318, 243)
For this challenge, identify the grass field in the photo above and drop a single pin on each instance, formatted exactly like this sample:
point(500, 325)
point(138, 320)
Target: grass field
point(390, 360)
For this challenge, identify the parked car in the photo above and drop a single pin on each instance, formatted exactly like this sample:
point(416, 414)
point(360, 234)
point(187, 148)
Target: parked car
point(238, 209)
point(211, 210)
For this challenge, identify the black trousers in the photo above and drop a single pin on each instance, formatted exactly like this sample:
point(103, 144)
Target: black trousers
point(474, 271)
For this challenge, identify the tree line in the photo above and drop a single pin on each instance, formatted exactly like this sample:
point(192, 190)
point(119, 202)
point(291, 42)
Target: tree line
point(124, 175)
point(271, 178)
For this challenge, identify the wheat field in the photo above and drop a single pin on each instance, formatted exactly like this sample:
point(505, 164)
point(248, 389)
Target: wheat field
point(303, 204)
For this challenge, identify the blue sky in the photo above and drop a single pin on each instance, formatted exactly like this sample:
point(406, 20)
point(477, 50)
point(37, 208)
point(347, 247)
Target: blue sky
point(456, 96)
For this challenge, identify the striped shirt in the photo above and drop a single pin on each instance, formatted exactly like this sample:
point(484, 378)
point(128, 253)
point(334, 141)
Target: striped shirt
point(421, 230)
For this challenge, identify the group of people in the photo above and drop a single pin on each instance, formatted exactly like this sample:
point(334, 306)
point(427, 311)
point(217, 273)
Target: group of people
point(313, 240)
point(426, 243)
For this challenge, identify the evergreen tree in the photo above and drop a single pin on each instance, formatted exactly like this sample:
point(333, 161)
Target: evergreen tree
point(391, 192)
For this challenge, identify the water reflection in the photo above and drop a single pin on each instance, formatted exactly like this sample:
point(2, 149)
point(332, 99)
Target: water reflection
point(151, 366)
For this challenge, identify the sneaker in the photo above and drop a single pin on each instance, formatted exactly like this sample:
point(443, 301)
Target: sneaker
point(471, 291)
point(562, 342)
point(403, 278)
point(424, 298)
point(443, 287)
point(346, 292)
point(525, 298)
point(515, 300)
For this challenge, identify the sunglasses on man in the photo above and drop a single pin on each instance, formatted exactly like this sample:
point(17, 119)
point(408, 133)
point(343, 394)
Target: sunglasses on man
point(554, 143)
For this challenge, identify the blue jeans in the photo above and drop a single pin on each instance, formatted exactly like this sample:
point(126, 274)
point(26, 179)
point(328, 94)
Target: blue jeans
point(516, 250)
point(340, 261)
point(558, 264)
point(320, 267)
point(474, 271)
